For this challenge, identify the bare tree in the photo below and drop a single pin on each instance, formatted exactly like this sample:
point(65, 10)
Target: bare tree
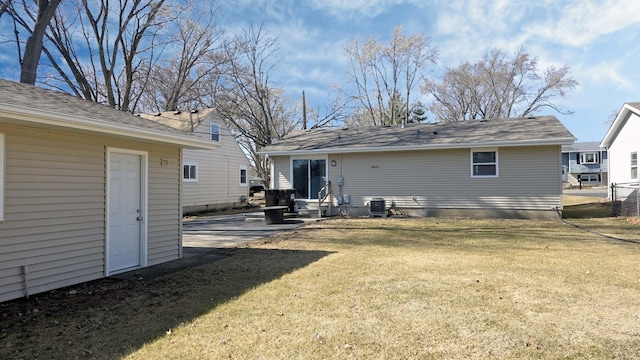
point(100, 50)
point(192, 68)
point(4, 6)
point(256, 110)
point(35, 22)
point(381, 72)
point(498, 86)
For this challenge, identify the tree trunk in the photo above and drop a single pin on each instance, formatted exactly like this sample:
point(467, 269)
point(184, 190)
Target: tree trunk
point(33, 49)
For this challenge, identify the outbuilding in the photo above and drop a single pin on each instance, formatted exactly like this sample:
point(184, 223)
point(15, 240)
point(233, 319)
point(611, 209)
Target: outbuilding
point(86, 191)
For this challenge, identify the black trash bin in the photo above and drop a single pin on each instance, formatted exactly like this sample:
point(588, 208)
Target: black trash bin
point(271, 197)
point(280, 197)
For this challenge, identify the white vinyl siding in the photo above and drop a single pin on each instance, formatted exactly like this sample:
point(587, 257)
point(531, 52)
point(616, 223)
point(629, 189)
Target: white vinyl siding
point(55, 208)
point(626, 142)
point(218, 183)
point(281, 166)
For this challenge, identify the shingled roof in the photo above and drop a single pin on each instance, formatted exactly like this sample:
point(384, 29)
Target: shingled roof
point(23, 103)
point(181, 120)
point(539, 130)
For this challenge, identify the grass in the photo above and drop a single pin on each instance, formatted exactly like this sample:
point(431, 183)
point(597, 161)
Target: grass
point(585, 207)
point(362, 288)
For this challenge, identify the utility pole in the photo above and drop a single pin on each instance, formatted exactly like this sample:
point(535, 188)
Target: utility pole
point(304, 112)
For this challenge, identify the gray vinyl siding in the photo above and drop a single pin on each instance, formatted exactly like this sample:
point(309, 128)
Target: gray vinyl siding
point(218, 172)
point(55, 208)
point(529, 179)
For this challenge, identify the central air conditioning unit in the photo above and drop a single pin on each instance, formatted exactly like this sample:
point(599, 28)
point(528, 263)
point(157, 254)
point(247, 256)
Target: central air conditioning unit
point(377, 207)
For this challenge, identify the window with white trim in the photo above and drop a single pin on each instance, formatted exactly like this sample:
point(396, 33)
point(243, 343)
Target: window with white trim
point(190, 172)
point(589, 177)
point(214, 132)
point(589, 158)
point(634, 165)
point(1, 177)
point(243, 176)
point(309, 176)
point(484, 163)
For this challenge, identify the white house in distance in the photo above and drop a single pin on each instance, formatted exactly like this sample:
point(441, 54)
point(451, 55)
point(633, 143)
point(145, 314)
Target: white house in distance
point(86, 191)
point(623, 144)
point(212, 179)
point(481, 168)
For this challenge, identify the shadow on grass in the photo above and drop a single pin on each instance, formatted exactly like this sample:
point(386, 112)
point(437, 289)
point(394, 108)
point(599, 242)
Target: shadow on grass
point(588, 210)
point(109, 318)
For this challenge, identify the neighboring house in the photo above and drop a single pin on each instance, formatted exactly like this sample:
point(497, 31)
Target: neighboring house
point(622, 141)
point(86, 191)
point(584, 162)
point(482, 168)
point(212, 179)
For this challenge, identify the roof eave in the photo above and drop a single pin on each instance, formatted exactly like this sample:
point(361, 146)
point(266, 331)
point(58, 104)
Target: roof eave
point(338, 150)
point(46, 118)
point(617, 124)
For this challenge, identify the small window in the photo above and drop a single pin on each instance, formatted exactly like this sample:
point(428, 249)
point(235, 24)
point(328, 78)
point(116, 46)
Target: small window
point(634, 165)
point(484, 163)
point(589, 158)
point(1, 177)
point(215, 132)
point(190, 172)
point(243, 176)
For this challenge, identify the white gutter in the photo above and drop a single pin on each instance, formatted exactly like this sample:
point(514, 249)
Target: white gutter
point(539, 142)
point(69, 121)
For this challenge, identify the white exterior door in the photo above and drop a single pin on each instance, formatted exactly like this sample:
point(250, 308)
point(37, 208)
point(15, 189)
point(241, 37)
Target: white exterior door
point(564, 173)
point(124, 243)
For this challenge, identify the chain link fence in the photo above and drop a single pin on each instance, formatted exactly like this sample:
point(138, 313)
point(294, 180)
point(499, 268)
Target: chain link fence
point(625, 199)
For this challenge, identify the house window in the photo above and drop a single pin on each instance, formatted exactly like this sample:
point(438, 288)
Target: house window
point(589, 158)
point(309, 176)
point(190, 172)
point(215, 132)
point(1, 177)
point(243, 176)
point(484, 163)
point(589, 177)
point(634, 165)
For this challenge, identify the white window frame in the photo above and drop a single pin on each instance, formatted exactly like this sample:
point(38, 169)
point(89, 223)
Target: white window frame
point(589, 177)
point(634, 165)
point(2, 155)
point(596, 157)
point(246, 176)
point(194, 164)
point(211, 133)
point(496, 163)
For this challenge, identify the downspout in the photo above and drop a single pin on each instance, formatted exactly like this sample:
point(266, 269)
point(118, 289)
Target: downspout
point(25, 277)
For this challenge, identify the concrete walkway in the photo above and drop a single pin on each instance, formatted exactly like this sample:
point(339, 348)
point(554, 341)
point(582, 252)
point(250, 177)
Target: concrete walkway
point(211, 238)
point(231, 230)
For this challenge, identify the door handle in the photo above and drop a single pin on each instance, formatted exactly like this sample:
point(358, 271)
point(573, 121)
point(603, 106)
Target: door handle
point(139, 218)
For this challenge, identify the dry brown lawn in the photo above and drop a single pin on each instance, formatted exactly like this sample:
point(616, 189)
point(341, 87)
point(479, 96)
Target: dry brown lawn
point(363, 289)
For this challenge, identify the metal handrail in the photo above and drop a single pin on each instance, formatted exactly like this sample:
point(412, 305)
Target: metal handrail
point(321, 199)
